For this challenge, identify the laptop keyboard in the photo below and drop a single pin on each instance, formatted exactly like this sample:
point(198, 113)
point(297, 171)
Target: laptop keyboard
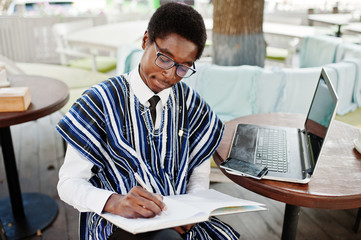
point(271, 149)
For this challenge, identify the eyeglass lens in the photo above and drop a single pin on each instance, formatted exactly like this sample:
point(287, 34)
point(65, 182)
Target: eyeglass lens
point(166, 62)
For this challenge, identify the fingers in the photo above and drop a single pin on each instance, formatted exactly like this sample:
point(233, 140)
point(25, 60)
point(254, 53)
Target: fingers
point(136, 204)
point(187, 227)
point(180, 230)
point(151, 201)
point(183, 229)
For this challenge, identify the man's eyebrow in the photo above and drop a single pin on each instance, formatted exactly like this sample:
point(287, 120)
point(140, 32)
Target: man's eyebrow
point(166, 51)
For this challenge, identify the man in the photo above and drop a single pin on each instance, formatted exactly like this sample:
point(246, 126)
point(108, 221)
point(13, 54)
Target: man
point(117, 130)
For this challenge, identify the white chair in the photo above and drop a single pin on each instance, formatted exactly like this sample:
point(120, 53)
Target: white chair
point(280, 49)
point(76, 57)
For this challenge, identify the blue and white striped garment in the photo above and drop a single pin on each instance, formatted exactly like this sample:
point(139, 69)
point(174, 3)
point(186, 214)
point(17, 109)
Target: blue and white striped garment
point(110, 127)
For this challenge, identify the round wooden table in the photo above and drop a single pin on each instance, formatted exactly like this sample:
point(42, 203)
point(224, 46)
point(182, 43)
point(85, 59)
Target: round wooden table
point(23, 215)
point(336, 183)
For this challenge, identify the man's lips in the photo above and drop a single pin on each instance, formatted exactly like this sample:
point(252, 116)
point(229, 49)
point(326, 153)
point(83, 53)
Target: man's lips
point(161, 83)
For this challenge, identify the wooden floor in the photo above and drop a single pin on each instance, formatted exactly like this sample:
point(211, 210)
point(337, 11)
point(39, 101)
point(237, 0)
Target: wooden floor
point(39, 154)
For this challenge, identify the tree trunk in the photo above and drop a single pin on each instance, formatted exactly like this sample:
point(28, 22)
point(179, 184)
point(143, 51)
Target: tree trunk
point(237, 32)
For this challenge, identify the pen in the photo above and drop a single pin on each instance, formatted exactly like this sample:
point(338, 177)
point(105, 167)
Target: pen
point(141, 182)
point(143, 185)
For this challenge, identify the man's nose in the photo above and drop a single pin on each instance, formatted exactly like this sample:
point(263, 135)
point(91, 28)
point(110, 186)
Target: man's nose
point(170, 73)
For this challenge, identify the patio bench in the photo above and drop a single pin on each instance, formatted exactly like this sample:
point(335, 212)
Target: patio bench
point(235, 91)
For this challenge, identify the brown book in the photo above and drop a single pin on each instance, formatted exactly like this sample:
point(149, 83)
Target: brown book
point(14, 99)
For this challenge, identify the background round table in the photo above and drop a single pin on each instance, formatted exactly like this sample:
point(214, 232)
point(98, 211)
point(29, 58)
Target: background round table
point(23, 215)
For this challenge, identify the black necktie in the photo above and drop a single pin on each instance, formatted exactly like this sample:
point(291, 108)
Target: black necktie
point(152, 106)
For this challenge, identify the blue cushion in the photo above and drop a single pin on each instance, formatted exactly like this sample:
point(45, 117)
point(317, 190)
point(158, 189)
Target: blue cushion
point(318, 50)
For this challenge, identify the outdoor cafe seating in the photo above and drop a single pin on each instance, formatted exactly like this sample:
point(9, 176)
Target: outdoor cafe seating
point(36, 46)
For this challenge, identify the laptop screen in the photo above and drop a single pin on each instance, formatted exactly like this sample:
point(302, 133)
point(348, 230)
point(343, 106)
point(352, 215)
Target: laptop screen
point(320, 115)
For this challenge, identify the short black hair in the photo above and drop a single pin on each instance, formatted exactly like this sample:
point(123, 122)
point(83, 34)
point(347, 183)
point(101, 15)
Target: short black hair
point(180, 19)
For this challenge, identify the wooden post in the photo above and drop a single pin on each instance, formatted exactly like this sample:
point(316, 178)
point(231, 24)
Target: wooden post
point(237, 32)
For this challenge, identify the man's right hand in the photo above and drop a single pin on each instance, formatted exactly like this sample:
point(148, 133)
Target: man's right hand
point(137, 203)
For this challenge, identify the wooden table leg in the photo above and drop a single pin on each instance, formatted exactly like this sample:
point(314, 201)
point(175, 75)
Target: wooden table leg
point(290, 222)
point(11, 173)
point(358, 220)
point(338, 33)
point(22, 215)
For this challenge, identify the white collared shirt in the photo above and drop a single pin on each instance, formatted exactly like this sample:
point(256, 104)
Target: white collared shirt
point(74, 187)
point(144, 93)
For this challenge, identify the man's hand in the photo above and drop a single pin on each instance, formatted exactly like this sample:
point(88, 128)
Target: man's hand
point(137, 203)
point(183, 229)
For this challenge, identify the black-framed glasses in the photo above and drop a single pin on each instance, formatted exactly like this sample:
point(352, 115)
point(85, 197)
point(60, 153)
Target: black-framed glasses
point(165, 62)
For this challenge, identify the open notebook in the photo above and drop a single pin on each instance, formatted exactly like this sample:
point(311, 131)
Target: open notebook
point(187, 209)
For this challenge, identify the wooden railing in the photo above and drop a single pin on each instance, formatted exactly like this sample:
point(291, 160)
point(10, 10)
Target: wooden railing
point(30, 39)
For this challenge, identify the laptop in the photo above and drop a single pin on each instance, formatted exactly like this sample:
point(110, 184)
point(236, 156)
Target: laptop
point(297, 150)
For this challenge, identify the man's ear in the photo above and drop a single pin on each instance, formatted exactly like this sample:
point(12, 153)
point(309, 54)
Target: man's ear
point(145, 40)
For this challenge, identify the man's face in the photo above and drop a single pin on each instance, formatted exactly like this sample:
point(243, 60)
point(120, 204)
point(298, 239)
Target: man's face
point(181, 50)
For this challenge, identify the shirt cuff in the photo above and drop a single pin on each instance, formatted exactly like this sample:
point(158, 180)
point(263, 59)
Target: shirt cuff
point(97, 198)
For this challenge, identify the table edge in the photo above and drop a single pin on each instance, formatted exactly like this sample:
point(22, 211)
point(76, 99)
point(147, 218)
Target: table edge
point(36, 114)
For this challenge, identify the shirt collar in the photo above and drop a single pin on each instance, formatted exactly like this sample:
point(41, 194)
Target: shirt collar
point(142, 91)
